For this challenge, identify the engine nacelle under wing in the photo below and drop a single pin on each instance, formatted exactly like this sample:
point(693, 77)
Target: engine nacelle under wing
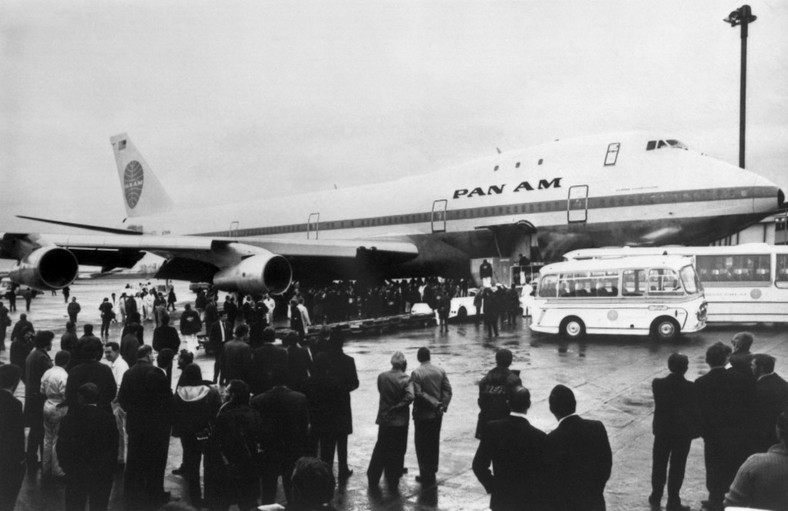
point(46, 268)
point(265, 272)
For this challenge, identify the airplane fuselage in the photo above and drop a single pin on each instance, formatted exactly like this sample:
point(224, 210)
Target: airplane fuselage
point(633, 189)
point(587, 192)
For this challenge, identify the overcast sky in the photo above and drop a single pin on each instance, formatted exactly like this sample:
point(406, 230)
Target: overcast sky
point(234, 100)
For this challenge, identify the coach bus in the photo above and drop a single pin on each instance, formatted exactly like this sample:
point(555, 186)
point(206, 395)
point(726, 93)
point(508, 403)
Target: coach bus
point(743, 283)
point(642, 295)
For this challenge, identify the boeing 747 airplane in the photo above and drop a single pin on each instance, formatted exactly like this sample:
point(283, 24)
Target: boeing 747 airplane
point(632, 189)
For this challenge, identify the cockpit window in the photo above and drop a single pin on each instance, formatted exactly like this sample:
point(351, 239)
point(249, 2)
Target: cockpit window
point(660, 144)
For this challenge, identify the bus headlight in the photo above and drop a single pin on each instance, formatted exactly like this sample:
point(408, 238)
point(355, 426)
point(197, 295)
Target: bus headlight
point(702, 311)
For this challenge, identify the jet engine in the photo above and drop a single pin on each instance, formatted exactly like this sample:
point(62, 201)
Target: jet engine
point(265, 272)
point(46, 268)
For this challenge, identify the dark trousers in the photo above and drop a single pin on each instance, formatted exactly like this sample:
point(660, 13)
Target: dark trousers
point(71, 317)
point(35, 438)
point(239, 488)
point(2, 337)
point(146, 462)
point(86, 485)
point(328, 445)
point(105, 326)
point(192, 456)
point(11, 478)
point(389, 454)
point(427, 436)
point(270, 476)
point(723, 458)
point(671, 448)
point(491, 323)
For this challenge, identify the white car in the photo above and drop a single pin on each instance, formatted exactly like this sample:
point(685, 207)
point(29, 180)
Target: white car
point(5, 284)
point(462, 307)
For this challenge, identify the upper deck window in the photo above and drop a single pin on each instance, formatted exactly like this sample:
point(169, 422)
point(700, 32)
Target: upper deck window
point(660, 144)
point(612, 153)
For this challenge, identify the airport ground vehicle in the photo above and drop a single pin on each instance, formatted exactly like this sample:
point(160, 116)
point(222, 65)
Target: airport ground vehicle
point(742, 283)
point(657, 295)
point(5, 285)
point(462, 307)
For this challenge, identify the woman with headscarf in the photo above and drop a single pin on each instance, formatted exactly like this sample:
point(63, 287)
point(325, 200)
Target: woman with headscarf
point(196, 405)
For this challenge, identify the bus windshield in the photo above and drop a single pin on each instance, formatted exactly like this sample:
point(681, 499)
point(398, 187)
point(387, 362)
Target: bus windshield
point(690, 279)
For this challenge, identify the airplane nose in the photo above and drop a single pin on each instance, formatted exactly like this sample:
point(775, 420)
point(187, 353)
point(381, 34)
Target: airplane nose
point(769, 192)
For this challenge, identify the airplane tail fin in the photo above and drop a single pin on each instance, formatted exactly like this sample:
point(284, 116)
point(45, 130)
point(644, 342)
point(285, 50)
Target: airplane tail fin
point(143, 194)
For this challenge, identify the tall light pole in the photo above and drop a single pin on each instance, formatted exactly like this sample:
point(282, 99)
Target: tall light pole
point(742, 16)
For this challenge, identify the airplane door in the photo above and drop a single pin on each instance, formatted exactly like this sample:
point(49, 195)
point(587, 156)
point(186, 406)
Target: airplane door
point(439, 215)
point(577, 204)
point(313, 226)
point(233, 231)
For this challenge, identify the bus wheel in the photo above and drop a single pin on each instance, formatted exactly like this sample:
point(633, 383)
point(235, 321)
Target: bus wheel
point(462, 314)
point(573, 328)
point(665, 329)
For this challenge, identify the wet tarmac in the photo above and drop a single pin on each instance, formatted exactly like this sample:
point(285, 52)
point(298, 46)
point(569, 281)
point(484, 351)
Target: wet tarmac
point(611, 378)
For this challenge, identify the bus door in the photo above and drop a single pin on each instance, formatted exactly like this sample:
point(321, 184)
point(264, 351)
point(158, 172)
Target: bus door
point(439, 215)
point(577, 204)
point(313, 226)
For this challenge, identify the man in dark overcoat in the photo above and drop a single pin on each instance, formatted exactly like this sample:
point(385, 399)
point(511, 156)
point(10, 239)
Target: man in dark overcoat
point(12, 437)
point(676, 423)
point(579, 451)
point(518, 454)
point(146, 398)
point(87, 448)
point(771, 399)
point(725, 399)
point(36, 364)
point(285, 432)
point(264, 358)
point(91, 370)
point(342, 368)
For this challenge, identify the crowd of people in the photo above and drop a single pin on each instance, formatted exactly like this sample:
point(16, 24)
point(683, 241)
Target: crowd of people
point(268, 408)
point(89, 417)
point(350, 300)
point(741, 412)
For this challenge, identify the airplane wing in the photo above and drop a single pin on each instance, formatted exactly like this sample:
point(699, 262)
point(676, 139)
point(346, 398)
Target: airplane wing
point(254, 265)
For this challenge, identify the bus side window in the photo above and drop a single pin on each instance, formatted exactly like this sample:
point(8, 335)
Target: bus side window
point(634, 283)
point(548, 286)
point(781, 270)
point(664, 281)
point(705, 266)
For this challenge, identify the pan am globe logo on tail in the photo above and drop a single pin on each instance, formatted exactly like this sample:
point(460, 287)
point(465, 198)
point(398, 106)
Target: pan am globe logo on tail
point(132, 183)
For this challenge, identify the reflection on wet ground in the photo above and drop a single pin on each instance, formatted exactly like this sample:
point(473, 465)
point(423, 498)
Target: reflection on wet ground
point(611, 378)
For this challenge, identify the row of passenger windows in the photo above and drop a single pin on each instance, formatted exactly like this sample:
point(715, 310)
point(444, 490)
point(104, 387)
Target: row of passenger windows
point(560, 205)
point(419, 217)
point(637, 282)
point(742, 268)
